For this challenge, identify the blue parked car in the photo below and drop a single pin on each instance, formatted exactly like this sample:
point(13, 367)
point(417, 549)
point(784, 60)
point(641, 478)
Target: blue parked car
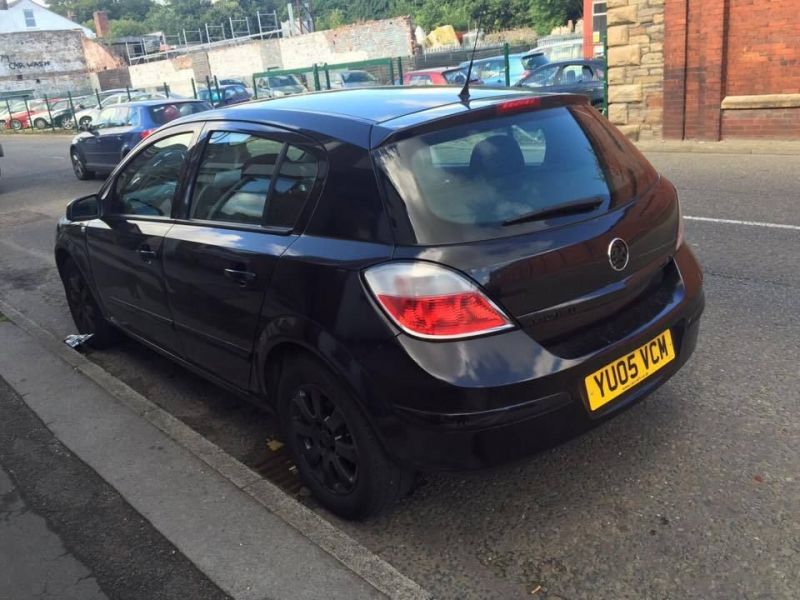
point(225, 95)
point(103, 143)
point(492, 71)
point(574, 76)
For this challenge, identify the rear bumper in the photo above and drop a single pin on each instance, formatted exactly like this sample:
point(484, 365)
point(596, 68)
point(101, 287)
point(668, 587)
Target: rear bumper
point(503, 420)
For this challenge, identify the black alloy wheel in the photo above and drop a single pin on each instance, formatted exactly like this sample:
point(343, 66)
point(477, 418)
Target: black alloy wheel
point(332, 442)
point(325, 442)
point(79, 167)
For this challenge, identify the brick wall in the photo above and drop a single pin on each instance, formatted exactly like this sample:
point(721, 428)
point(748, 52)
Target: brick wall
point(763, 47)
point(45, 62)
point(761, 123)
point(636, 66)
point(724, 62)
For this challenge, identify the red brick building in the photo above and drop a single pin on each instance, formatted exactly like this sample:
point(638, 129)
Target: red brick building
point(729, 68)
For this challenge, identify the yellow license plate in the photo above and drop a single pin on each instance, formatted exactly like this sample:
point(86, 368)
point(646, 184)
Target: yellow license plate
point(619, 376)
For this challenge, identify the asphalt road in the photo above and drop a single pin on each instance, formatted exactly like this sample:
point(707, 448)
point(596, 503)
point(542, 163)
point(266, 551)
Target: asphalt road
point(694, 493)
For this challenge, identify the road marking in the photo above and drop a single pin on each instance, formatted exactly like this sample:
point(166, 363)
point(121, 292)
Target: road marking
point(752, 223)
point(48, 258)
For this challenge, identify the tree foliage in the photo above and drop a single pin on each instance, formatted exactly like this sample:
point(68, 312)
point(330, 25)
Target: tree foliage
point(173, 16)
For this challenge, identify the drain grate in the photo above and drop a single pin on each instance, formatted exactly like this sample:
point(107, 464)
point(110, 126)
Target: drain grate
point(278, 467)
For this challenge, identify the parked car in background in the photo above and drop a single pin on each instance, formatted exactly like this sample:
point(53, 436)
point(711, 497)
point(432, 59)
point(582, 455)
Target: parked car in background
point(409, 284)
point(353, 79)
point(275, 86)
point(22, 118)
point(16, 105)
point(117, 129)
point(59, 115)
point(224, 95)
point(583, 77)
point(87, 115)
point(492, 71)
point(439, 76)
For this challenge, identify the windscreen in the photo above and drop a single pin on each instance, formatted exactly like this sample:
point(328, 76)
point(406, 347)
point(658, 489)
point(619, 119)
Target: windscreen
point(357, 77)
point(481, 180)
point(283, 81)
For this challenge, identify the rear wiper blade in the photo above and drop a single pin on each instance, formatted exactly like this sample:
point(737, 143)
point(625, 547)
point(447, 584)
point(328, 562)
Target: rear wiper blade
point(567, 208)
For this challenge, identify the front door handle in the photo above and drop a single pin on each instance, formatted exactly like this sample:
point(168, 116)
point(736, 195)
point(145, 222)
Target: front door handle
point(146, 254)
point(243, 278)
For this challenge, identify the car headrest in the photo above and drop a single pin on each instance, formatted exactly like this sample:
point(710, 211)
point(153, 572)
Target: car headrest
point(497, 155)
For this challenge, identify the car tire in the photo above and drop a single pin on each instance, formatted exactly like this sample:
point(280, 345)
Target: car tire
point(40, 123)
point(16, 124)
point(79, 167)
point(67, 124)
point(335, 450)
point(85, 121)
point(85, 311)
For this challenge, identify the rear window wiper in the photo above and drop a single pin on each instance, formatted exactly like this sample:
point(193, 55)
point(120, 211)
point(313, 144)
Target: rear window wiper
point(558, 210)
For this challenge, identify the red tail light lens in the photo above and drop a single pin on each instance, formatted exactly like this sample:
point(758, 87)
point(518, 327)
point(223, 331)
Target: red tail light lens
point(518, 105)
point(431, 301)
point(145, 133)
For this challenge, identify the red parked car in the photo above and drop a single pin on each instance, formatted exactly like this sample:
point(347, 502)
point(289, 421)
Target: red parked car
point(437, 76)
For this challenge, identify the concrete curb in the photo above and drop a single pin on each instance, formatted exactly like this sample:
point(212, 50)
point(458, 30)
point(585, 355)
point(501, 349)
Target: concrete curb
point(350, 553)
point(774, 148)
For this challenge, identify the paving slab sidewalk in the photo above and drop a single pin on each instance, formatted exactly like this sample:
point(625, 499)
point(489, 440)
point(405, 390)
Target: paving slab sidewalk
point(773, 147)
point(248, 537)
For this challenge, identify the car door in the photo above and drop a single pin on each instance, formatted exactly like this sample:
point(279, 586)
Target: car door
point(251, 185)
point(91, 144)
point(124, 245)
point(112, 136)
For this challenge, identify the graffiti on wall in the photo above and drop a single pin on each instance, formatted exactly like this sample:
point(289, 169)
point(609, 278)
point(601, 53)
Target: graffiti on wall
point(18, 65)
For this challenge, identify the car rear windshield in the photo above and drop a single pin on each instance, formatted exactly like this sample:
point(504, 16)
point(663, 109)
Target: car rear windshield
point(532, 61)
point(357, 77)
point(486, 179)
point(283, 81)
point(164, 113)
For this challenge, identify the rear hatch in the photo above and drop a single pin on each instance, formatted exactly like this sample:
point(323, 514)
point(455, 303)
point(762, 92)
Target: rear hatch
point(527, 199)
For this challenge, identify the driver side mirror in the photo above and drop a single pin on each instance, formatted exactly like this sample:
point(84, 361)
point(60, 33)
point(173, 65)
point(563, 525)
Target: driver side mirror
point(84, 209)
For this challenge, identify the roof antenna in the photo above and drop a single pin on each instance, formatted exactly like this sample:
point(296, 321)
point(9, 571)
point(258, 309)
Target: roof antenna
point(464, 94)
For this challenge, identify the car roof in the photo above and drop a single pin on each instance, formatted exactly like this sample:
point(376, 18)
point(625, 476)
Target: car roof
point(159, 101)
point(572, 61)
point(361, 116)
point(434, 70)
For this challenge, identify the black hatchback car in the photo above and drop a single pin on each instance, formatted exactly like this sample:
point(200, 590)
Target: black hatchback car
point(411, 281)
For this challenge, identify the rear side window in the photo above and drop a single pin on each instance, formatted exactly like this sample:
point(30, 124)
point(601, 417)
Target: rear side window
point(252, 180)
point(164, 113)
point(474, 181)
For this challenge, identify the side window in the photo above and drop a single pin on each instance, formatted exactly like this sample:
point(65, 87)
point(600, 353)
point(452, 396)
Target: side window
point(234, 178)
point(571, 74)
point(296, 178)
point(103, 118)
point(148, 183)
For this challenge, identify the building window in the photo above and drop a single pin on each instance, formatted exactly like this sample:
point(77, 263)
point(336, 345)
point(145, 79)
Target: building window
point(30, 19)
point(599, 20)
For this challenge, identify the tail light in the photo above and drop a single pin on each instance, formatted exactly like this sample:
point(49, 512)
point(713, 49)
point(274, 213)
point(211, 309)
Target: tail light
point(145, 133)
point(431, 301)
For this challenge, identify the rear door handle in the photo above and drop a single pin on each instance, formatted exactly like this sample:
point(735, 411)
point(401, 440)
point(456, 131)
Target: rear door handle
point(146, 254)
point(243, 278)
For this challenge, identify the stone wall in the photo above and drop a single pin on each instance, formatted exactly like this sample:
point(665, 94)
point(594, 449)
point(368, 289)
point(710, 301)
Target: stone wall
point(43, 62)
point(636, 66)
point(360, 41)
